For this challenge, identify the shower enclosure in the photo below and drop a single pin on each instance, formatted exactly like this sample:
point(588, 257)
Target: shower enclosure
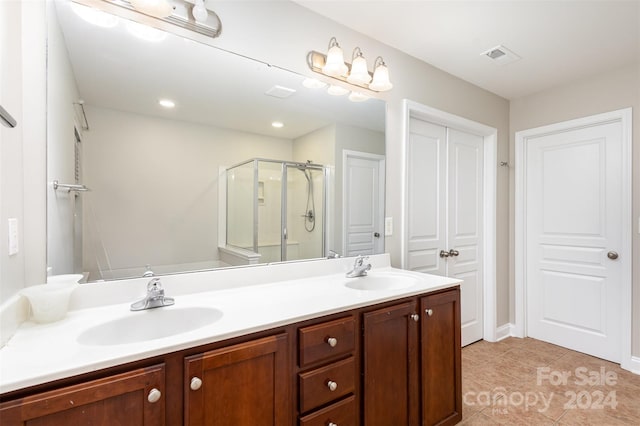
point(277, 209)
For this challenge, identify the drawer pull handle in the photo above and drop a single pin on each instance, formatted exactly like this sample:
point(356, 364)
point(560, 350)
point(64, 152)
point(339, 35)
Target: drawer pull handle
point(154, 395)
point(332, 424)
point(332, 385)
point(196, 383)
point(415, 317)
point(429, 311)
point(332, 341)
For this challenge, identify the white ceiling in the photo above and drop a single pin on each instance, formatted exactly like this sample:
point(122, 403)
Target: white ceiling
point(559, 41)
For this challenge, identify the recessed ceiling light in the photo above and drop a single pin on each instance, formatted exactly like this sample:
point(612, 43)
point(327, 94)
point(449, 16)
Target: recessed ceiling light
point(167, 103)
point(277, 124)
point(500, 55)
point(312, 83)
point(94, 16)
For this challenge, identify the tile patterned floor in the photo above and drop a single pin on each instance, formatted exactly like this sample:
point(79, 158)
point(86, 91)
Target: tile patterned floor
point(529, 382)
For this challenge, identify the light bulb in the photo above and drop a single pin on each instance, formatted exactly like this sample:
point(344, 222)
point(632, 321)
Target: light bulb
point(381, 81)
point(199, 11)
point(334, 65)
point(359, 73)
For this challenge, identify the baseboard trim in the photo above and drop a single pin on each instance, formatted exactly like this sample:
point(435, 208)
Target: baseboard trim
point(504, 331)
point(633, 365)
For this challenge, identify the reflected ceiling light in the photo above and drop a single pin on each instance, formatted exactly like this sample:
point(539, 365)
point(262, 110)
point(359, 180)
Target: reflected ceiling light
point(380, 81)
point(145, 32)
point(94, 16)
point(199, 12)
point(359, 73)
point(312, 83)
point(277, 124)
point(332, 65)
point(156, 8)
point(358, 97)
point(337, 90)
point(167, 103)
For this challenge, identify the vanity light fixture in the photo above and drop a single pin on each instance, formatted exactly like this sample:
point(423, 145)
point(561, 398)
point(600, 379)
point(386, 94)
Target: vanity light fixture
point(167, 103)
point(332, 65)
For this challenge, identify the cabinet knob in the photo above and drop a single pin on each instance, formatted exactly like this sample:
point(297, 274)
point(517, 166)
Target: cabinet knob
point(444, 253)
point(154, 395)
point(454, 253)
point(332, 341)
point(415, 317)
point(429, 311)
point(196, 383)
point(332, 385)
point(332, 424)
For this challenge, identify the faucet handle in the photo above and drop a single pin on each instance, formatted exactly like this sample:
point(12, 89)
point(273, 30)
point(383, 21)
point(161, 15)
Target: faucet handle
point(360, 260)
point(154, 285)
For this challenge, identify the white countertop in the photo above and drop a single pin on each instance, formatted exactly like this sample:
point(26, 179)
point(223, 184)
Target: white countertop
point(39, 353)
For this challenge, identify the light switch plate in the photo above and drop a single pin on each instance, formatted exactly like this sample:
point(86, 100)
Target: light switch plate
point(388, 226)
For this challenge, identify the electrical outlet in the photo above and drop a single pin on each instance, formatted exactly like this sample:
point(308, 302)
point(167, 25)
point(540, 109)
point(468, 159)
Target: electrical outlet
point(388, 226)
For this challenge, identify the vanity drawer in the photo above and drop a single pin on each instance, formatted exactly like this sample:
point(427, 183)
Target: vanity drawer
point(325, 384)
point(341, 413)
point(324, 341)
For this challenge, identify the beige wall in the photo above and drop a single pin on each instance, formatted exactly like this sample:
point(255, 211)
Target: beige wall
point(601, 93)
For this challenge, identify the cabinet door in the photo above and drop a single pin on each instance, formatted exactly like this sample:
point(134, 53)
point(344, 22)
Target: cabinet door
point(440, 350)
point(242, 385)
point(390, 366)
point(131, 399)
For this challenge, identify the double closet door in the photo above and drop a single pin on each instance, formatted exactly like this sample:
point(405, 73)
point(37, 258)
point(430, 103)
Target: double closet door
point(445, 213)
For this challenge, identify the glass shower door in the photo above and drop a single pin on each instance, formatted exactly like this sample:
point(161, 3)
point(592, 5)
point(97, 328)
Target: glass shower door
point(303, 207)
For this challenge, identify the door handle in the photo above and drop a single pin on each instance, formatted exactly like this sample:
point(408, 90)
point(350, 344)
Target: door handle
point(612, 255)
point(444, 253)
point(376, 234)
point(453, 252)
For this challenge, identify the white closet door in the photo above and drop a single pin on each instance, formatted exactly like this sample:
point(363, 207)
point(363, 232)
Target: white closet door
point(427, 164)
point(464, 235)
point(573, 204)
point(445, 204)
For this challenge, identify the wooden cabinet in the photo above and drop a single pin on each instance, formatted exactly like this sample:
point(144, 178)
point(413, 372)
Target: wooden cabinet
point(411, 362)
point(395, 363)
point(242, 385)
point(135, 398)
point(328, 375)
point(440, 352)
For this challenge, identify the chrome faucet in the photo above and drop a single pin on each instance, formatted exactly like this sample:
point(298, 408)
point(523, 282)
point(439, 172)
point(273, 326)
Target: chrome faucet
point(359, 267)
point(154, 299)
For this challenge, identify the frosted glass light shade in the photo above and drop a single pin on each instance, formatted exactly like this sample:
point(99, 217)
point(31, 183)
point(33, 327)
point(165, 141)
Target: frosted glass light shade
point(358, 97)
point(359, 72)
point(381, 81)
point(199, 11)
point(334, 65)
point(337, 90)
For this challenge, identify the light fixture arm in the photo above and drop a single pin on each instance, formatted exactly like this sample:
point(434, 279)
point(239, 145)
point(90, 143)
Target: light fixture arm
point(333, 42)
point(378, 61)
point(356, 53)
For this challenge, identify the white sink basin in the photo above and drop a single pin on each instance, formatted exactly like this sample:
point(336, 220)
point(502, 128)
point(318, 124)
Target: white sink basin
point(149, 325)
point(381, 281)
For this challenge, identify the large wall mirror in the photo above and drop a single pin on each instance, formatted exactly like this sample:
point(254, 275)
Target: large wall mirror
point(244, 163)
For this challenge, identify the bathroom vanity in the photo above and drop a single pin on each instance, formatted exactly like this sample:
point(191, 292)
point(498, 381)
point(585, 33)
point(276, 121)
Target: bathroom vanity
point(319, 350)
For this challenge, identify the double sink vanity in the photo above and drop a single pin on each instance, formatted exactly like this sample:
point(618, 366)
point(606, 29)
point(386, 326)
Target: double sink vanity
point(281, 344)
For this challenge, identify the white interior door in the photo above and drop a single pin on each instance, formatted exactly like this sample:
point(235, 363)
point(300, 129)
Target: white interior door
point(573, 198)
point(363, 207)
point(445, 205)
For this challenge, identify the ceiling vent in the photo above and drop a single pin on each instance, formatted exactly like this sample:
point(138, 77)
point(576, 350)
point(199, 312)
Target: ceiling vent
point(280, 92)
point(500, 55)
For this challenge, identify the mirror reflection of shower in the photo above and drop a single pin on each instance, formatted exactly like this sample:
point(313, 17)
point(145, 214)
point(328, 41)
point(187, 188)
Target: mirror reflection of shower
point(276, 210)
point(310, 209)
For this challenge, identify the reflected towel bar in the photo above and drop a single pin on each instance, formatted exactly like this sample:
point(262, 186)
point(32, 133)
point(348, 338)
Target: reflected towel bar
point(69, 187)
point(6, 118)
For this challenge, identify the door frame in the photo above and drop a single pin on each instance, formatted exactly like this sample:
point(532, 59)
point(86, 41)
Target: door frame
point(623, 116)
point(346, 154)
point(490, 169)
